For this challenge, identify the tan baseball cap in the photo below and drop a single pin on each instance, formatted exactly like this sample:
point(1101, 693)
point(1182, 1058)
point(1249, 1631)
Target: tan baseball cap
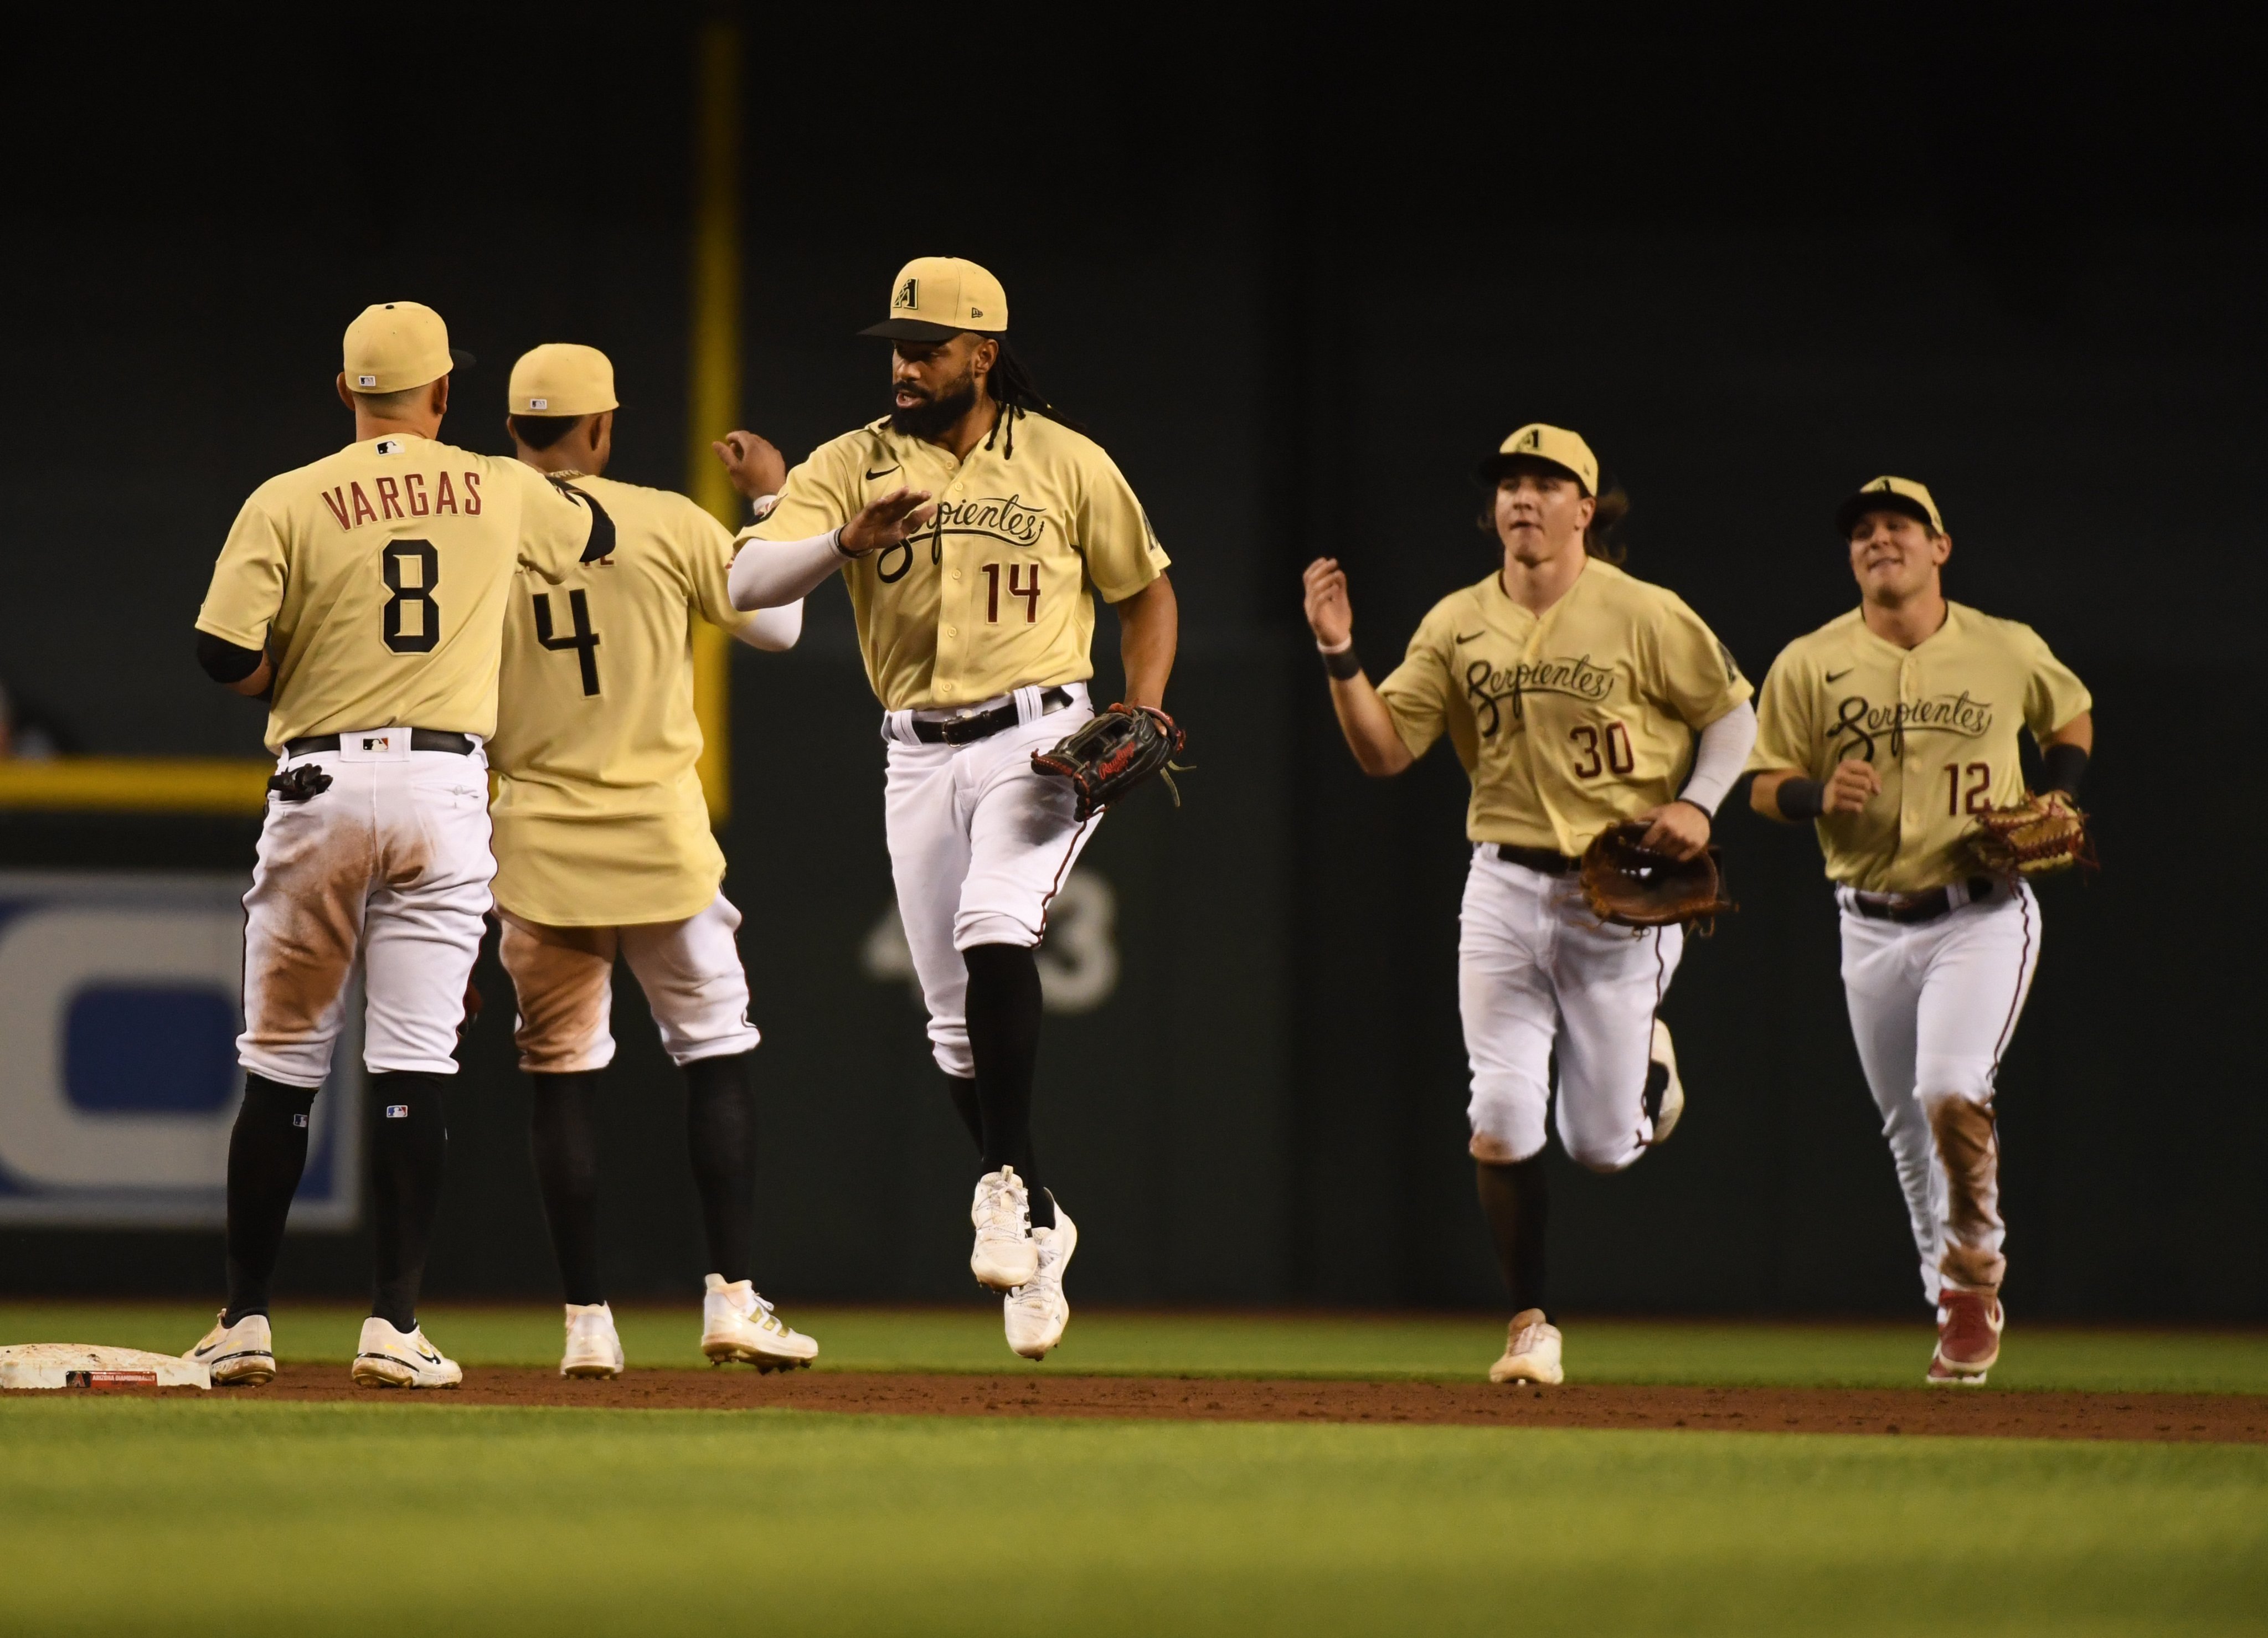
point(561, 379)
point(1890, 494)
point(1555, 444)
point(936, 298)
point(394, 345)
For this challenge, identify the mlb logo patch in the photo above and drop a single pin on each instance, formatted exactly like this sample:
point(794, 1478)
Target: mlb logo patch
point(397, 1112)
point(365, 381)
point(539, 404)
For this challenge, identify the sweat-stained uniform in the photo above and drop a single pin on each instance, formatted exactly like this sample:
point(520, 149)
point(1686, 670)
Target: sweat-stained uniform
point(602, 838)
point(1567, 722)
point(1937, 958)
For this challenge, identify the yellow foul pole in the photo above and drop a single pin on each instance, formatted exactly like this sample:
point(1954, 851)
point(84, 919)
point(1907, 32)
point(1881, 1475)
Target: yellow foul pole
point(713, 399)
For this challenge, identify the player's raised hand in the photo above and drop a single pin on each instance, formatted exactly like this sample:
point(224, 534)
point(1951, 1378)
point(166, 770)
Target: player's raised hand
point(1679, 830)
point(1329, 614)
point(886, 522)
point(1852, 787)
point(754, 465)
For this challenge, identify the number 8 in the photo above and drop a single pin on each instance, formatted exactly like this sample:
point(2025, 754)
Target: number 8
point(428, 633)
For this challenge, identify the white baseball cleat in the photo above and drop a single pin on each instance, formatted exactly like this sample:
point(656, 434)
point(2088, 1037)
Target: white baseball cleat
point(1531, 1351)
point(737, 1326)
point(239, 1355)
point(387, 1358)
point(595, 1348)
point(1004, 1256)
point(1665, 1094)
point(1035, 1314)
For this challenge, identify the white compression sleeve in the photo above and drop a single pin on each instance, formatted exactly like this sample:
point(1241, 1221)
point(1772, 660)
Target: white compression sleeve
point(773, 630)
point(768, 574)
point(1719, 757)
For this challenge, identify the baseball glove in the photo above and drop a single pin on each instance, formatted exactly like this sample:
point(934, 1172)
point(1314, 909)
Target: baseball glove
point(1634, 887)
point(2034, 837)
point(1111, 753)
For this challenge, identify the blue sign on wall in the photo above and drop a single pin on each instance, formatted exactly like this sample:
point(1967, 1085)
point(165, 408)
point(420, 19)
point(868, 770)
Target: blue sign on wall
point(120, 1005)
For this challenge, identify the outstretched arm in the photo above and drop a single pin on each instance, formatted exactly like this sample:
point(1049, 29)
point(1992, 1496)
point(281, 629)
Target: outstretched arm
point(1363, 716)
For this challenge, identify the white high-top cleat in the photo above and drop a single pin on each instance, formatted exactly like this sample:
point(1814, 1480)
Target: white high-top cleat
point(595, 1348)
point(1005, 1256)
point(239, 1355)
point(387, 1358)
point(1035, 1314)
point(1667, 1102)
point(1531, 1351)
point(738, 1325)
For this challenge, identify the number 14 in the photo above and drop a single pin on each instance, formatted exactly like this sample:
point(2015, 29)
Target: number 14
point(1016, 589)
point(1980, 786)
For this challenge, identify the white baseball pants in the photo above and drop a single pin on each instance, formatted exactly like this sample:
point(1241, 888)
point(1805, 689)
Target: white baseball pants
point(1933, 1007)
point(1538, 972)
point(979, 845)
point(390, 865)
point(564, 978)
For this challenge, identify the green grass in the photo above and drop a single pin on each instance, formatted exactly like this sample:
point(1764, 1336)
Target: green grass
point(251, 1518)
point(1454, 1348)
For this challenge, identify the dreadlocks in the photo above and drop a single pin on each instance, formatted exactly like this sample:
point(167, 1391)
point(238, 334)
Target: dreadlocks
point(1011, 386)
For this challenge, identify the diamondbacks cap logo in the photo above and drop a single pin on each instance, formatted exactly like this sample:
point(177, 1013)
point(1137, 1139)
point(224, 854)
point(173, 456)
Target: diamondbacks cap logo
point(909, 296)
point(1535, 439)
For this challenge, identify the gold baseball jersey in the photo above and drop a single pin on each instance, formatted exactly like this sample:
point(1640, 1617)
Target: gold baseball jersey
point(994, 594)
point(1566, 721)
point(1938, 721)
point(600, 818)
point(382, 571)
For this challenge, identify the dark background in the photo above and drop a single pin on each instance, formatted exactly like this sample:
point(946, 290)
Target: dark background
point(1296, 281)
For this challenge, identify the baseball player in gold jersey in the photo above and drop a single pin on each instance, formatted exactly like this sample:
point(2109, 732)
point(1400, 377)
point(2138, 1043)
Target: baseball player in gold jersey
point(367, 593)
point(1577, 697)
point(603, 849)
point(1891, 727)
point(974, 528)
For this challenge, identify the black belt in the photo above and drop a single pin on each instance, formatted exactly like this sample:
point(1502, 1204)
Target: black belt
point(1541, 859)
point(983, 724)
point(1909, 908)
point(420, 739)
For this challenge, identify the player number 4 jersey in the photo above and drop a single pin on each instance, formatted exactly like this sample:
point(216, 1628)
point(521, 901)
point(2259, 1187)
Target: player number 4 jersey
point(1939, 722)
point(997, 593)
point(1566, 721)
point(380, 575)
point(599, 816)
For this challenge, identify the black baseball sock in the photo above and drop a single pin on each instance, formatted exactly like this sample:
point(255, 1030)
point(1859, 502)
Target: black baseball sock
point(720, 1129)
point(1518, 1204)
point(964, 1104)
point(1004, 1038)
point(266, 1152)
point(409, 1155)
point(562, 1135)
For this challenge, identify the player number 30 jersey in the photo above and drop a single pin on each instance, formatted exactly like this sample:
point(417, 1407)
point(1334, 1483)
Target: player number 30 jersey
point(1566, 721)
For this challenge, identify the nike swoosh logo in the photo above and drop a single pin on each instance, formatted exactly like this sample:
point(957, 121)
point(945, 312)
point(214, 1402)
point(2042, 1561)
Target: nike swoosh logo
point(1468, 637)
point(1837, 676)
point(884, 472)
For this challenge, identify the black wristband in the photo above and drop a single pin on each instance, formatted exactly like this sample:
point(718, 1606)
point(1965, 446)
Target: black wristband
point(1801, 799)
point(226, 662)
point(1344, 666)
point(2065, 765)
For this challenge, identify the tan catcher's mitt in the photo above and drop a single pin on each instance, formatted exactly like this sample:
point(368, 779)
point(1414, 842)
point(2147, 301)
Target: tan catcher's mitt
point(1635, 887)
point(2032, 838)
point(1113, 752)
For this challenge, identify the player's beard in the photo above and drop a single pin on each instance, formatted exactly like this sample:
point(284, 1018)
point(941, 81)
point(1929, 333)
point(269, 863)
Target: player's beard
point(931, 417)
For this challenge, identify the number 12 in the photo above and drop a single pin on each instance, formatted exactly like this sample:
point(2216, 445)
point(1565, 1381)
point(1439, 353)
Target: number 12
point(1979, 797)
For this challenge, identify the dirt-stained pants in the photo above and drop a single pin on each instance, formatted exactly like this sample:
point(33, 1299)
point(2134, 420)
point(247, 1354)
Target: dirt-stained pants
point(1933, 1006)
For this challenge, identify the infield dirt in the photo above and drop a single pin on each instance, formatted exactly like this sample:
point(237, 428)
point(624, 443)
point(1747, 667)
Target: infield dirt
point(1958, 1411)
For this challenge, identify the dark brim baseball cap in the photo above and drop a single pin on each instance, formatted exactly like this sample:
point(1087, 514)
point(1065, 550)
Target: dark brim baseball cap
point(1890, 494)
point(1552, 446)
point(910, 330)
